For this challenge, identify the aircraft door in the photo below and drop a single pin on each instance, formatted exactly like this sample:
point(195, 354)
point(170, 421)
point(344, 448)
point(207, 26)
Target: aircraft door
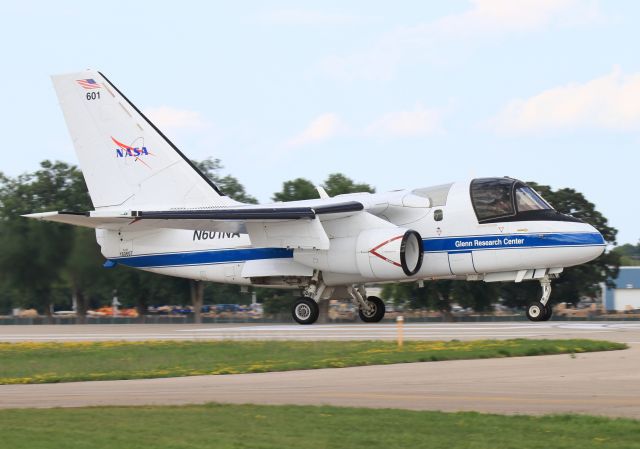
point(461, 263)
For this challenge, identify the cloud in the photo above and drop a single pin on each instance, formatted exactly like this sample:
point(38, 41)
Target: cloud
point(481, 20)
point(611, 102)
point(417, 122)
point(321, 128)
point(309, 17)
point(176, 119)
point(490, 17)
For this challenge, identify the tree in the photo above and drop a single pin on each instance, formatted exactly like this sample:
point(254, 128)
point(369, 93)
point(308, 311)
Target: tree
point(479, 296)
point(303, 189)
point(278, 302)
point(83, 271)
point(33, 253)
point(227, 184)
point(629, 254)
point(197, 299)
point(338, 184)
point(140, 289)
point(295, 190)
point(435, 295)
point(8, 297)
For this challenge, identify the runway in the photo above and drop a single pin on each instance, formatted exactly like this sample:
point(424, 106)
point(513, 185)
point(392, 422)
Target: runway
point(615, 331)
point(597, 383)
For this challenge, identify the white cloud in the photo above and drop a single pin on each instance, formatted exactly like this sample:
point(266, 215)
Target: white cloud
point(417, 122)
point(483, 19)
point(499, 16)
point(308, 17)
point(611, 101)
point(321, 128)
point(175, 119)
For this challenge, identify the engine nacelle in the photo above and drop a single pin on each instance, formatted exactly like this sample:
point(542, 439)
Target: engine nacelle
point(383, 253)
point(389, 253)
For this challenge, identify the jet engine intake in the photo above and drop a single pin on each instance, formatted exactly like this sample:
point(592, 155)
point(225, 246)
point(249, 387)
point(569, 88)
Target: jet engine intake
point(389, 253)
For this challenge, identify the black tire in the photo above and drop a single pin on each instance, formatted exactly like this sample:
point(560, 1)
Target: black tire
point(377, 310)
point(536, 311)
point(548, 312)
point(305, 311)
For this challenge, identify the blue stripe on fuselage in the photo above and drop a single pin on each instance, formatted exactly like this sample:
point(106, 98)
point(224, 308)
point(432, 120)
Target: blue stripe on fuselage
point(205, 257)
point(511, 241)
point(437, 244)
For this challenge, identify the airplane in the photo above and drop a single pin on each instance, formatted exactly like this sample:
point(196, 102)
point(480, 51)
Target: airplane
point(155, 211)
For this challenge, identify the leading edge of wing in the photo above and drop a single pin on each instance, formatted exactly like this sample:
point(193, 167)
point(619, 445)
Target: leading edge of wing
point(251, 213)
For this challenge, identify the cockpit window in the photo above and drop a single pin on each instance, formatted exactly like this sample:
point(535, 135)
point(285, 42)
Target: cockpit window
point(492, 197)
point(528, 199)
point(437, 194)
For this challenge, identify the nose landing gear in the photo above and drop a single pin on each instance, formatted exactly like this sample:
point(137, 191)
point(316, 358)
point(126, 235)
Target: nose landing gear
point(540, 310)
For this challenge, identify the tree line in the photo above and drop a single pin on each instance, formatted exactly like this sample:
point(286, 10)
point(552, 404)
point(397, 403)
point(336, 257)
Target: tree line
point(49, 265)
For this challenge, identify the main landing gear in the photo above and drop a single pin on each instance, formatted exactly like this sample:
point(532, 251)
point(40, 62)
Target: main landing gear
point(306, 311)
point(371, 309)
point(540, 310)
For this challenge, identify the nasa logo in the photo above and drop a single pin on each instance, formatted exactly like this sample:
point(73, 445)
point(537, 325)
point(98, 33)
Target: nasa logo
point(129, 151)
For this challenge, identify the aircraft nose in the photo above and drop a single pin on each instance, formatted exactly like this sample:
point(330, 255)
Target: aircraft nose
point(598, 244)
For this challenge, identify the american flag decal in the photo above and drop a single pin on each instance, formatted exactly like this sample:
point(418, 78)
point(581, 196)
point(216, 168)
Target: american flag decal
point(89, 84)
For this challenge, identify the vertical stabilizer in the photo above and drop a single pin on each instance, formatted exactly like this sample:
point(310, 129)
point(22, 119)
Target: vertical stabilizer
point(127, 162)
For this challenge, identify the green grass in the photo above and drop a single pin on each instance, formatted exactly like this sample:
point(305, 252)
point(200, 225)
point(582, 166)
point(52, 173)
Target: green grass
point(281, 427)
point(69, 362)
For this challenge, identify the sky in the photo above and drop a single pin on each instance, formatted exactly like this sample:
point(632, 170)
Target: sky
point(400, 94)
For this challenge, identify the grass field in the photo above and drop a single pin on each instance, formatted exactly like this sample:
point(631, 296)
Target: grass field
point(280, 427)
point(68, 362)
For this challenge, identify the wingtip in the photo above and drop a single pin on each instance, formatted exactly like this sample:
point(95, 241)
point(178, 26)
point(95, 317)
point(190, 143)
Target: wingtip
point(40, 215)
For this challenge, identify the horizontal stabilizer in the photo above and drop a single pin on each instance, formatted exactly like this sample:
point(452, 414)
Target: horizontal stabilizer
point(80, 219)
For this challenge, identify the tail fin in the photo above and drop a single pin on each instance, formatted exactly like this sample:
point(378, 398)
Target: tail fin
point(126, 161)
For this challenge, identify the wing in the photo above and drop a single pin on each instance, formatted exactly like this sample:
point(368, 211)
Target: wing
point(276, 226)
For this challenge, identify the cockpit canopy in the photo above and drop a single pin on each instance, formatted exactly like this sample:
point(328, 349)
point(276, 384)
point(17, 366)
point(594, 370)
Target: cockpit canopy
point(506, 199)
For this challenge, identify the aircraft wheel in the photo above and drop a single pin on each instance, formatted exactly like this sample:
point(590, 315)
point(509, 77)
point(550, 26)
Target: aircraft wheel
point(536, 311)
point(376, 310)
point(548, 311)
point(305, 311)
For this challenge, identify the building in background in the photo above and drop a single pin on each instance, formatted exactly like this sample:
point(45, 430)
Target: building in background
point(625, 295)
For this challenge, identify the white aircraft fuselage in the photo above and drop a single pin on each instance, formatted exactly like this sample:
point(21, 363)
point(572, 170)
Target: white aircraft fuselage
point(456, 245)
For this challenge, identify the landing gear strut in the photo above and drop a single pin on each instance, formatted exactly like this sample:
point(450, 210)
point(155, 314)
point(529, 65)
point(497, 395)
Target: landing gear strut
point(306, 310)
point(371, 309)
point(540, 310)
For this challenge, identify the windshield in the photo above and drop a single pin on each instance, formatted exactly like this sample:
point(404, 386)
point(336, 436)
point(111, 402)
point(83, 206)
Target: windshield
point(492, 197)
point(507, 199)
point(528, 199)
